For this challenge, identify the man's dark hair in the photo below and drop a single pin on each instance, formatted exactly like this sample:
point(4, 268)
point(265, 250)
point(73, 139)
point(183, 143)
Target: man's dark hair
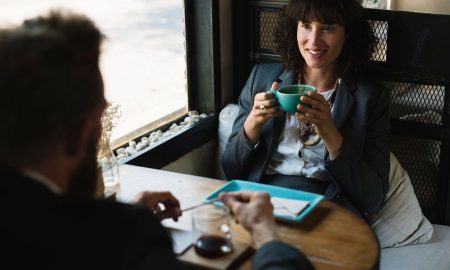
point(359, 42)
point(49, 81)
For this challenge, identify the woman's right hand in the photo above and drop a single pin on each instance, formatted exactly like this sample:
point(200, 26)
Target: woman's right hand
point(265, 107)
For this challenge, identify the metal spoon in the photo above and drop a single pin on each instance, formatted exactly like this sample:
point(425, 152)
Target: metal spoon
point(200, 204)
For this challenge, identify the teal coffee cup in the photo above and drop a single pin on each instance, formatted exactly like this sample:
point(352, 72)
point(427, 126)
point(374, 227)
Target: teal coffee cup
point(289, 96)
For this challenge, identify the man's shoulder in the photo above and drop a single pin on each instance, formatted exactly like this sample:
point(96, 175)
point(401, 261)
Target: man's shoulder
point(103, 211)
point(366, 86)
point(76, 231)
point(124, 228)
point(105, 235)
point(113, 226)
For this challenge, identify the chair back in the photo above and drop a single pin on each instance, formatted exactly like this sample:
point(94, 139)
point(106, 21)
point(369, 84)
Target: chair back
point(412, 60)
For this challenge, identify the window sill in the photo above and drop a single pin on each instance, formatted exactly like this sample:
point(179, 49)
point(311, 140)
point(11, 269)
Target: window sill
point(176, 145)
point(147, 129)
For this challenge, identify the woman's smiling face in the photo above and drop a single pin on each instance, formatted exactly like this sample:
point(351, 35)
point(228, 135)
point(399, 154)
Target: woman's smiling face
point(320, 44)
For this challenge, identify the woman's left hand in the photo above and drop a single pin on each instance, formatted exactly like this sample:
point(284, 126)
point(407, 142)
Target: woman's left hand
point(319, 114)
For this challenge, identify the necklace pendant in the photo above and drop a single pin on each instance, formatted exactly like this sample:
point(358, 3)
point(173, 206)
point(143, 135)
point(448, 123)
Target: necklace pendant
point(310, 140)
point(308, 136)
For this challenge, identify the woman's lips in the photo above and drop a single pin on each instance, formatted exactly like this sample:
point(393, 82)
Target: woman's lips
point(316, 53)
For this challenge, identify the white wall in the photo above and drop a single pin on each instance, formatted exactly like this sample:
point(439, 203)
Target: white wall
point(201, 161)
point(427, 6)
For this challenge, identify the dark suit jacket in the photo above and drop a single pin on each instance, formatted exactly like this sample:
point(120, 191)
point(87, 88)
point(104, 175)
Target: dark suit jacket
point(360, 172)
point(47, 231)
point(41, 230)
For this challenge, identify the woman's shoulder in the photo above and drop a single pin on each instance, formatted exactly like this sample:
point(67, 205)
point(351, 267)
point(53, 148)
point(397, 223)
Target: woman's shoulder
point(369, 90)
point(264, 74)
point(367, 84)
point(268, 68)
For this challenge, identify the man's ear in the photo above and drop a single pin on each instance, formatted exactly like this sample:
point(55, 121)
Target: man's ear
point(77, 138)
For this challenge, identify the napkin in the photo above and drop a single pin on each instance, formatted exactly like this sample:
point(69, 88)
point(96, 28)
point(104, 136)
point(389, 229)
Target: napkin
point(288, 207)
point(181, 240)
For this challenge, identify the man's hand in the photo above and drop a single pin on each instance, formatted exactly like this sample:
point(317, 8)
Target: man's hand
point(163, 204)
point(254, 211)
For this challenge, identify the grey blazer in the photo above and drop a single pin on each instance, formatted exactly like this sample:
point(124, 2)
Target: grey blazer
point(361, 171)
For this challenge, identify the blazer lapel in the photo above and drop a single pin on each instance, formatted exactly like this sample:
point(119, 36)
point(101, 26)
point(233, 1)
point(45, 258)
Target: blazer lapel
point(286, 78)
point(344, 103)
point(275, 126)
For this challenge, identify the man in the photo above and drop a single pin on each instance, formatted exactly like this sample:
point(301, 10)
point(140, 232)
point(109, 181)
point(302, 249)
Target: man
point(50, 108)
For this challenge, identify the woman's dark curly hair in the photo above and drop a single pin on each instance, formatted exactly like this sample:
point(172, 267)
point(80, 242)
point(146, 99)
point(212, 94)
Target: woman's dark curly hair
point(359, 37)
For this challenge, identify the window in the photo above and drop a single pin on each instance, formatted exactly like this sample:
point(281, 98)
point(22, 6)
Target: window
point(380, 4)
point(143, 60)
point(435, 6)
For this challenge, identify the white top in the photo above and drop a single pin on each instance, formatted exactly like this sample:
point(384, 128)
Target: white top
point(43, 180)
point(286, 158)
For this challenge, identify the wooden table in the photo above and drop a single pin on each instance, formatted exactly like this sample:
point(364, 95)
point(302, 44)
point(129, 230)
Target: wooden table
point(331, 236)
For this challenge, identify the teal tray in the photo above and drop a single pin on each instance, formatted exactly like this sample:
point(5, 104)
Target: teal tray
point(238, 185)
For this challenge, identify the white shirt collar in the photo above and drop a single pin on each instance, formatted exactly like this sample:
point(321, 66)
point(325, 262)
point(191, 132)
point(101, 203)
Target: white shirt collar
point(43, 180)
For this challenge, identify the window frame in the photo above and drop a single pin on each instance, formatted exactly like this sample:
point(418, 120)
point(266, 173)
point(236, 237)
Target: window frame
point(203, 73)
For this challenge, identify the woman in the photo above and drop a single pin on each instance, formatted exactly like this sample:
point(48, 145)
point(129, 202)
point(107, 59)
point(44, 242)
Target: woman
point(338, 145)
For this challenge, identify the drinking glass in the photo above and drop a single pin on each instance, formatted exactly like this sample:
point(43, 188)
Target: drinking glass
point(110, 170)
point(211, 225)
